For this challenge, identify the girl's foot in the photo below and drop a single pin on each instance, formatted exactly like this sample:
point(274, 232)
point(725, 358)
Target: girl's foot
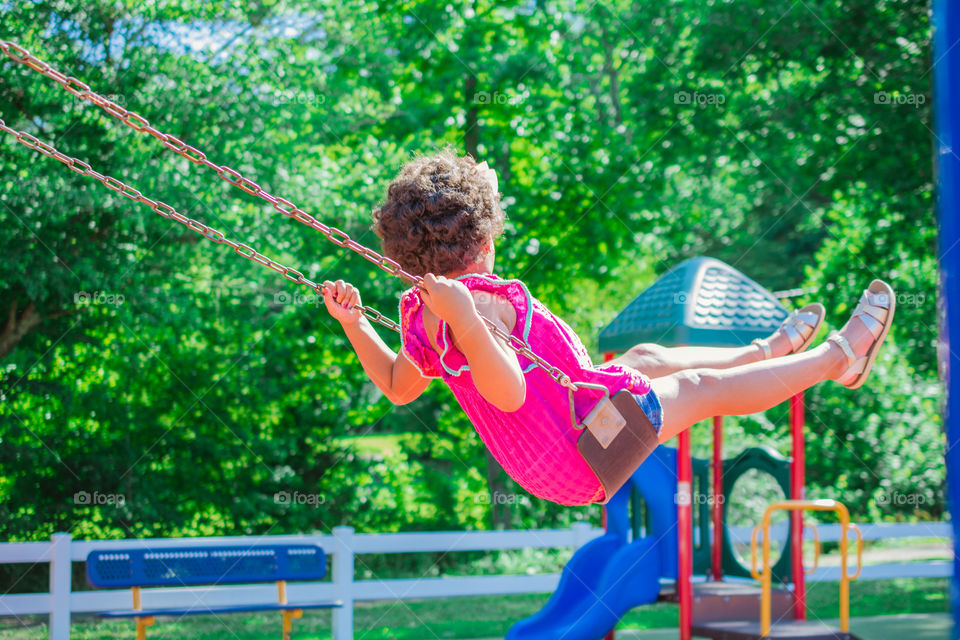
point(859, 341)
point(795, 333)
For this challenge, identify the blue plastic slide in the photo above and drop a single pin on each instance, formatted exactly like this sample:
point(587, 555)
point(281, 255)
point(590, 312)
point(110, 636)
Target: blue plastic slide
point(609, 576)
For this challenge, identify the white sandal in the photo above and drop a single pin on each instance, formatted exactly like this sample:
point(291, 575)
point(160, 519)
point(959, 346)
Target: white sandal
point(801, 328)
point(875, 311)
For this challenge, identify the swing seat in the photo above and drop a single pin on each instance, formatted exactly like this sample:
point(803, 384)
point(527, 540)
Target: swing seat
point(617, 437)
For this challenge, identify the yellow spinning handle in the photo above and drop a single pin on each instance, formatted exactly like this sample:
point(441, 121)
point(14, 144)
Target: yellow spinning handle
point(766, 577)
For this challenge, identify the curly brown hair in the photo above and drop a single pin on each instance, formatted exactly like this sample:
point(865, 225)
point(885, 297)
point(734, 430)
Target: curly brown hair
point(439, 212)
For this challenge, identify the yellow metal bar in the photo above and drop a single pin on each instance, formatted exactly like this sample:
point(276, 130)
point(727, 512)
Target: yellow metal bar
point(144, 622)
point(766, 578)
point(753, 553)
point(288, 617)
point(816, 547)
point(289, 614)
point(282, 598)
point(856, 529)
point(287, 626)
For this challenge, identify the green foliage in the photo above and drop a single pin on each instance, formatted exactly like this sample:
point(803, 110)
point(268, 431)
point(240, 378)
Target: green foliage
point(627, 135)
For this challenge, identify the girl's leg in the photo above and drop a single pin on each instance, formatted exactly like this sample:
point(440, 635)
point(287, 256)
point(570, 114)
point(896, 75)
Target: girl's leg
point(656, 361)
point(693, 395)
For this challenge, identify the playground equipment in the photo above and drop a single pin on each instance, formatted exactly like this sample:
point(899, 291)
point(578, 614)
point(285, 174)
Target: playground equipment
point(192, 566)
point(777, 468)
point(765, 628)
point(706, 302)
point(612, 574)
point(946, 18)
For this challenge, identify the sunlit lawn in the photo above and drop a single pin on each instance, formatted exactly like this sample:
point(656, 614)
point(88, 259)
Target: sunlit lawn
point(481, 617)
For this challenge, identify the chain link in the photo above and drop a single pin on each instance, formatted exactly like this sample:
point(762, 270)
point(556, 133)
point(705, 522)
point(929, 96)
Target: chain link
point(333, 234)
point(167, 211)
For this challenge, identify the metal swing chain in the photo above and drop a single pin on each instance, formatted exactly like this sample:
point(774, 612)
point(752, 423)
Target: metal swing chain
point(165, 210)
point(337, 236)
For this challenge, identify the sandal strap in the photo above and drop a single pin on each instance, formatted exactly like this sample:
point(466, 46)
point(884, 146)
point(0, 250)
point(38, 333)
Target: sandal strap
point(795, 337)
point(853, 371)
point(878, 313)
point(877, 299)
point(808, 318)
point(873, 325)
point(844, 345)
point(875, 311)
point(764, 346)
point(872, 311)
point(798, 326)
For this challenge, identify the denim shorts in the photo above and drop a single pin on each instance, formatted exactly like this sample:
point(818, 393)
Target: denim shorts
point(651, 406)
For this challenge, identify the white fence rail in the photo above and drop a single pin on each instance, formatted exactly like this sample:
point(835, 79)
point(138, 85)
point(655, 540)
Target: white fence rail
point(343, 545)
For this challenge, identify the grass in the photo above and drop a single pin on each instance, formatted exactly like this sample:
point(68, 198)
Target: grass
point(481, 617)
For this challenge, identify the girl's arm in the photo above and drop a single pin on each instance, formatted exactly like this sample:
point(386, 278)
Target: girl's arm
point(495, 369)
point(394, 375)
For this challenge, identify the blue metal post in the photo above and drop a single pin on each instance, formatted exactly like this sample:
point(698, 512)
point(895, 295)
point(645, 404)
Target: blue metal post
point(947, 109)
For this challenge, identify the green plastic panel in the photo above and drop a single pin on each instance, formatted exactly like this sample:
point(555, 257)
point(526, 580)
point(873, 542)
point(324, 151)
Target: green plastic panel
point(778, 467)
point(702, 301)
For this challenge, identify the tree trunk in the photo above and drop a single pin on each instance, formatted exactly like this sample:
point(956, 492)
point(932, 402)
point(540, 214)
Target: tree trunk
point(499, 504)
point(17, 326)
point(471, 134)
point(611, 72)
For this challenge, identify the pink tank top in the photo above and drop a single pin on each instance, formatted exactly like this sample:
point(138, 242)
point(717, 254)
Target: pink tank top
point(536, 445)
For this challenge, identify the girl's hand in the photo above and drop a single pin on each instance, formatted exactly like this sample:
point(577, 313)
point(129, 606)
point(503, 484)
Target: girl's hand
point(450, 300)
point(341, 300)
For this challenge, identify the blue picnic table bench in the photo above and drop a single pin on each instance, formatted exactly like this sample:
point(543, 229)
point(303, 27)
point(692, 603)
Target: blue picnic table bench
point(194, 566)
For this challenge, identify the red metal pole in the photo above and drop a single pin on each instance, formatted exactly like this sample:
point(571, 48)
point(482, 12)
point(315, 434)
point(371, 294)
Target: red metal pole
point(797, 480)
point(685, 534)
point(717, 498)
point(607, 357)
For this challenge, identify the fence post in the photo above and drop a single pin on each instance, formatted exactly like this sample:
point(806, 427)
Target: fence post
point(343, 570)
point(581, 534)
point(60, 570)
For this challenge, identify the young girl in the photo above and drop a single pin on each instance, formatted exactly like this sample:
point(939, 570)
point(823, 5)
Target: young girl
point(441, 217)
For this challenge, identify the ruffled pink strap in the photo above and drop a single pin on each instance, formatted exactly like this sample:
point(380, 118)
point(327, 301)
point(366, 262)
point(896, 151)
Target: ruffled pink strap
point(413, 337)
point(451, 360)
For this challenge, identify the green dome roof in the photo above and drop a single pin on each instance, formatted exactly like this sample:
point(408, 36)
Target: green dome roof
point(701, 301)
